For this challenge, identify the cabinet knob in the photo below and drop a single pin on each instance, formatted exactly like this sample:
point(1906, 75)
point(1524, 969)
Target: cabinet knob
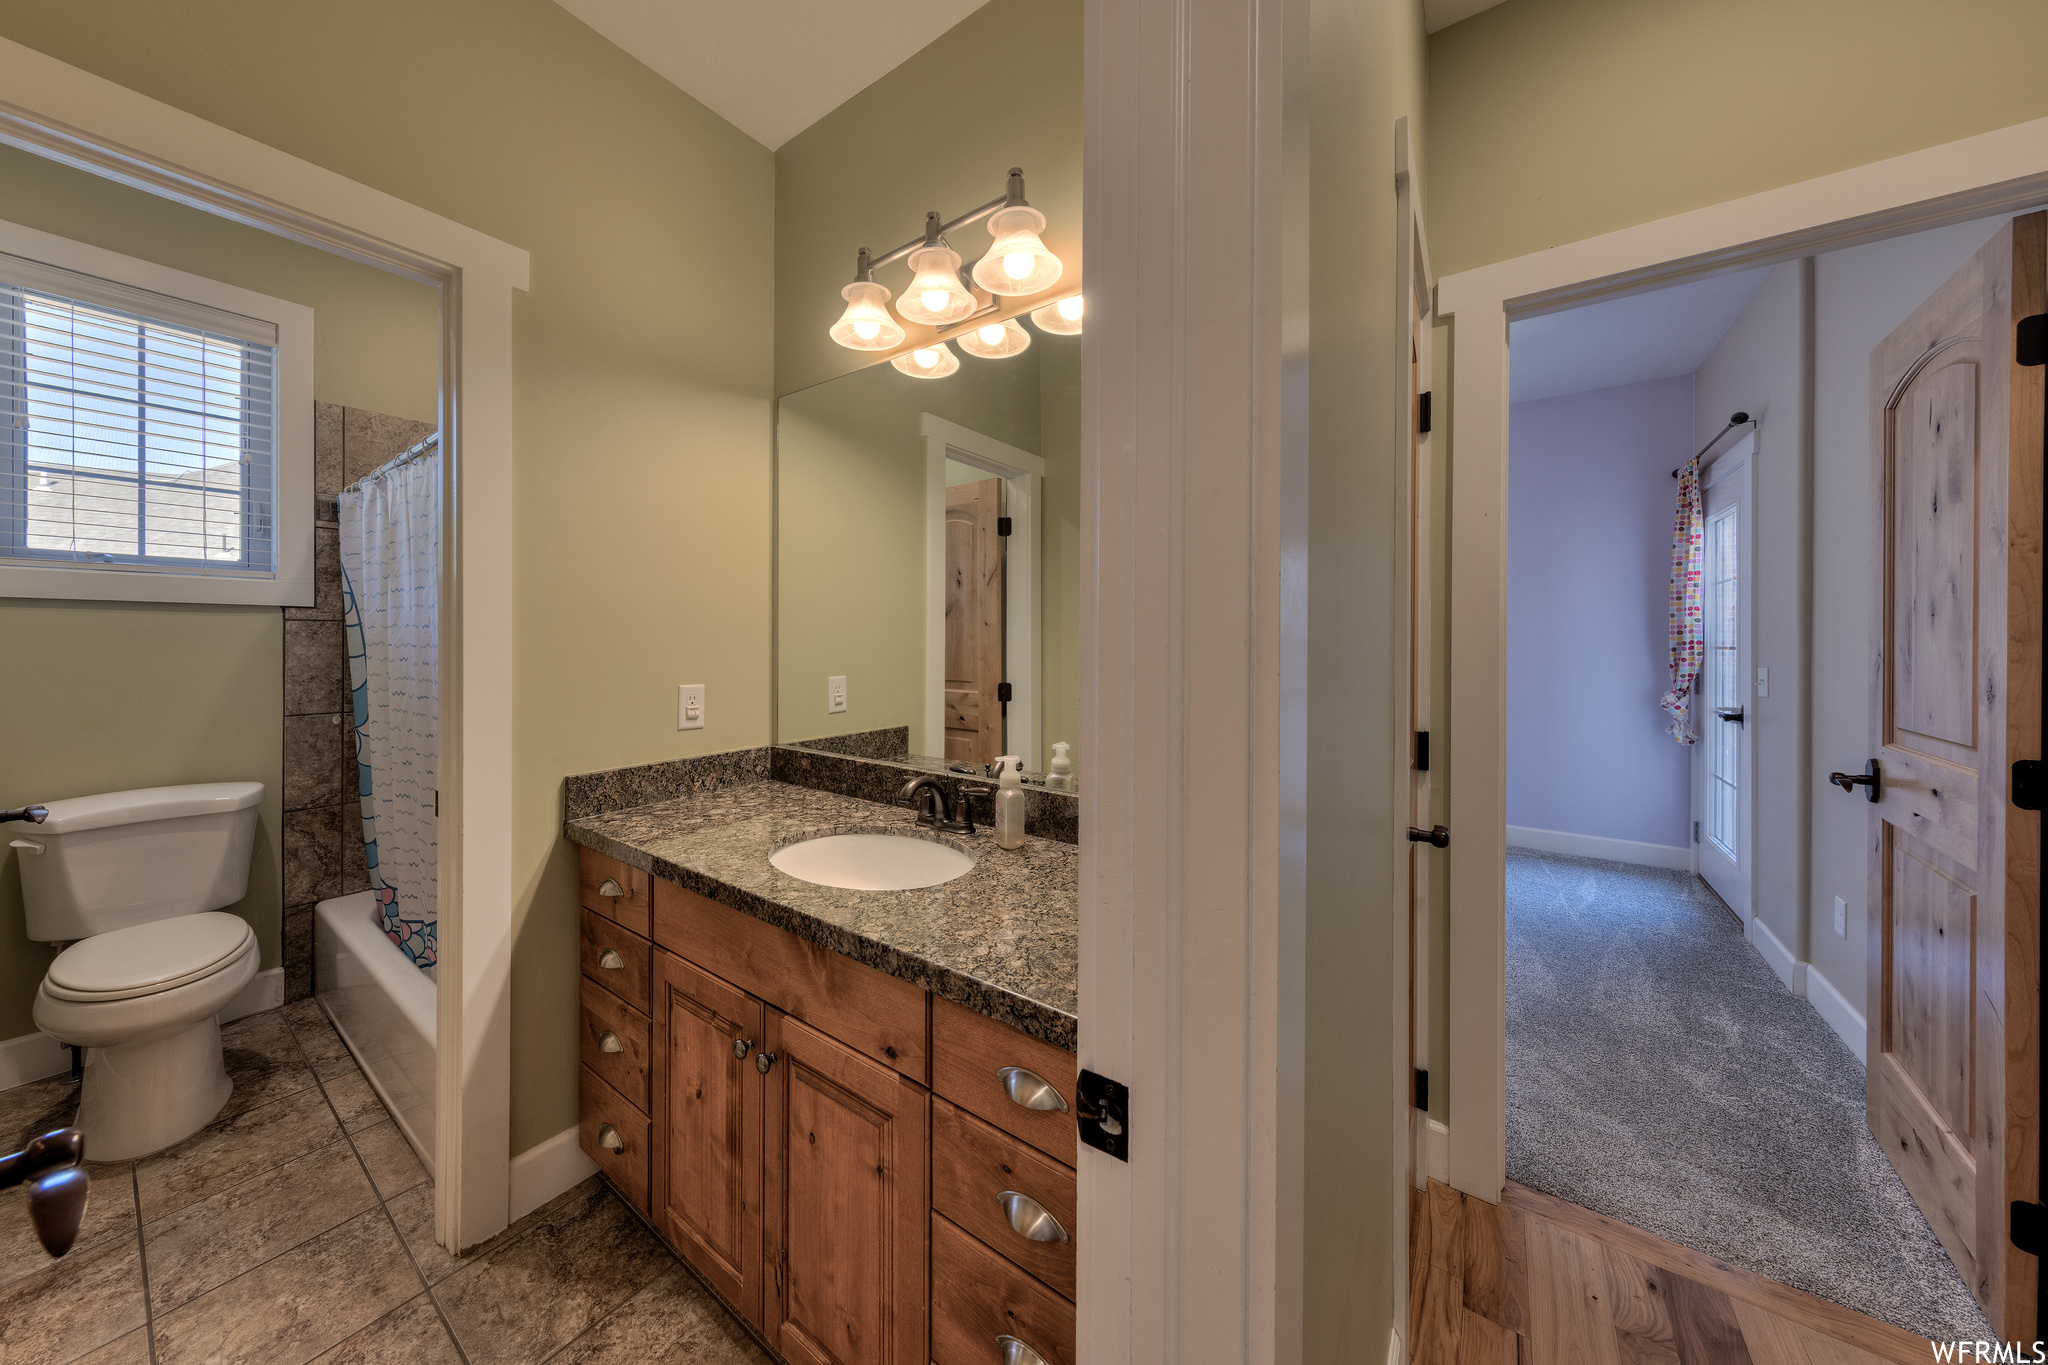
point(762, 1061)
point(1031, 1090)
point(1016, 1352)
point(1031, 1219)
point(610, 888)
point(611, 961)
point(609, 1042)
point(609, 1139)
point(740, 1048)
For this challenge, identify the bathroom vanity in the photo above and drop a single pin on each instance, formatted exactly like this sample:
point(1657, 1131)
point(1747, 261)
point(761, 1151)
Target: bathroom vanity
point(850, 1110)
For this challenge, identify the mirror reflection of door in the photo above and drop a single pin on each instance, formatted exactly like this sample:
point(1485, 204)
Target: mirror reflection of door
point(1723, 716)
point(974, 622)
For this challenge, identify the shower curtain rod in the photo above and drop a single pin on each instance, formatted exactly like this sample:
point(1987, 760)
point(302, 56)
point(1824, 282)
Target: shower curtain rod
point(1735, 420)
point(407, 456)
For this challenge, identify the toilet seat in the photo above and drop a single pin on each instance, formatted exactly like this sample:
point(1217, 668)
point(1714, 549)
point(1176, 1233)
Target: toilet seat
point(148, 959)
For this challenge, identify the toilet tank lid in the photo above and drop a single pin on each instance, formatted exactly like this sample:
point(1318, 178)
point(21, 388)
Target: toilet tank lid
point(78, 813)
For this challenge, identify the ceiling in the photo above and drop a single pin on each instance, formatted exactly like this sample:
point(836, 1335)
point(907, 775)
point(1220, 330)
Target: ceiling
point(1658, 335)
point(1440, 14)
point(772, 68)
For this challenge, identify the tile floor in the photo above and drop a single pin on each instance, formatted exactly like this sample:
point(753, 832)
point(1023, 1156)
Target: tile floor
point(298, 1226)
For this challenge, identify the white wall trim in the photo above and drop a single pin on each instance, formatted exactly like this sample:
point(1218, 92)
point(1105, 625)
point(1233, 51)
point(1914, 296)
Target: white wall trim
point(1677, 856)
point(1783, 962)
point(31, 1057)
point(1971, 178)
point(1841, 1016)
point(74, 117)
point(265, 991)
point(1439, 1152)
point(544, 1170)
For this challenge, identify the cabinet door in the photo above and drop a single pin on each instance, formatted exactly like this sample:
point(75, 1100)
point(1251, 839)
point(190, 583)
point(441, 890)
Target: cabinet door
point(847, 1170)
point(708, 1112)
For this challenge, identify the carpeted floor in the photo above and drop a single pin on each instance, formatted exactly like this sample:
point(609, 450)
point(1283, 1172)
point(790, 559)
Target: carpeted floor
point(1659, 1073)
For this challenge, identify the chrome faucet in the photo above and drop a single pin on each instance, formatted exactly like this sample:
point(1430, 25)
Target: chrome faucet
point(935, 809)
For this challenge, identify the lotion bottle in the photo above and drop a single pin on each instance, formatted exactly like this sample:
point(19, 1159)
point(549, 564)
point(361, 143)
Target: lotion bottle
point(1010, 803)
point(1062, 775)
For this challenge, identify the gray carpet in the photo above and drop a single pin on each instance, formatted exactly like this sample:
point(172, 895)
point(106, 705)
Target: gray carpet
point(1659, 1073)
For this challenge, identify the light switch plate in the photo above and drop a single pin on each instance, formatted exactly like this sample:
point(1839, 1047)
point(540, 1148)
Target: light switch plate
point(1763, 682)
point(1841, 918)
point(835, 695)
point(690, 706)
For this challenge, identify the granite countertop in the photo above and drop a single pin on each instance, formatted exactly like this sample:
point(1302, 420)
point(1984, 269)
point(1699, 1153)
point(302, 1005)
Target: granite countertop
point(1002, 938)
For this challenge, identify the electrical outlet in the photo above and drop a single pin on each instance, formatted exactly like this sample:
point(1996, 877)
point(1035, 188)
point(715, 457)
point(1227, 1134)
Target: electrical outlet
point(1841, 918)
point(835, 695)
point(1763, 682)
point(690, 706)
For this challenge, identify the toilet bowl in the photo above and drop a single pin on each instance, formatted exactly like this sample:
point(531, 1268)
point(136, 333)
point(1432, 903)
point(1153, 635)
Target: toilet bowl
point(133, 882)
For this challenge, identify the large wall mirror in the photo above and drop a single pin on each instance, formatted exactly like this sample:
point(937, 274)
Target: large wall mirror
point(928, 578)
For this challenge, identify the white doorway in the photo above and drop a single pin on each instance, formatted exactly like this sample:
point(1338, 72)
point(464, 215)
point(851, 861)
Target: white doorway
point(1723, 759)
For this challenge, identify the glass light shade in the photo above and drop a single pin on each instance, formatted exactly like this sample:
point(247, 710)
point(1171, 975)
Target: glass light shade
point(994, 340)
point(936, 296)
point(866, 324)
point(1017, 262)
point(1062, 319)
point(927, 362)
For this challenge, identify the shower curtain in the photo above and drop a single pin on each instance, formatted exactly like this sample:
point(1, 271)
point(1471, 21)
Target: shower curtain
point(390, 562)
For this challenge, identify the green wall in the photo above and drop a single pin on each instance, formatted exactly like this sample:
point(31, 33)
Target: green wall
point(1001, 88)
point(119, 695)
point(643, 369)
point(1059, 544)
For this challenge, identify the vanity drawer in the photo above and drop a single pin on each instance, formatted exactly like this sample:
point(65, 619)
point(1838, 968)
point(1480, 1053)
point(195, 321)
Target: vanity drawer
point(978, 1296)
point(969, 1054)
point(974, 1164)
point(614, 890)
point(615, 959)
point(601, 1108)
point(614, 1044)
point(875, 1014)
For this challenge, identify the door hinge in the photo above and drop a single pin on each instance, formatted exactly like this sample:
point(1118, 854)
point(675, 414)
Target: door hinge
point(1002, 526)
point(2026, 784)
point(2030, 341)
point(1422, 1089)
point(2029, 1223)
point(1104, 1115)
point(1695, 831)
point(1422, 406)
point(437, 804)
point(1003, 696)
point(1422, 751)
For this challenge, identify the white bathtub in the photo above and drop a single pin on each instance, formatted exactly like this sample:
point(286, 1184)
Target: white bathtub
point(384, 1007)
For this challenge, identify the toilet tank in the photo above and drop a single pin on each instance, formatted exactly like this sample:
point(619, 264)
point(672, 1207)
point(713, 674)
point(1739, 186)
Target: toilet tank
point(107, 862)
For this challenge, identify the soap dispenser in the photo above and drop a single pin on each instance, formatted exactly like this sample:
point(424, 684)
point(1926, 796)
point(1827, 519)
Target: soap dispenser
point(1061, 775)
point(1010, 802)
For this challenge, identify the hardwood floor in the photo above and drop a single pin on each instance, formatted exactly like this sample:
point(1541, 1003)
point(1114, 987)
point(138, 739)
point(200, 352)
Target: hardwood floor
point(1537, 1281)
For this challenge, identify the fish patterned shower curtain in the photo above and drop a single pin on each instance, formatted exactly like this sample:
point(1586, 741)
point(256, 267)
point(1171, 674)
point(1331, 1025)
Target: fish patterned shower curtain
point(1688, 623)
point(390, 561)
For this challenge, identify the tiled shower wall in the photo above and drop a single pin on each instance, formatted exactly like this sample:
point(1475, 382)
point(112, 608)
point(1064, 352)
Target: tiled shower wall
point(323, 832)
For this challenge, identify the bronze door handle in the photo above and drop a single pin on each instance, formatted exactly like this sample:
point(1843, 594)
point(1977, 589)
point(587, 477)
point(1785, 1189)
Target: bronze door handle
point(1436, 836)
point(1868, 778)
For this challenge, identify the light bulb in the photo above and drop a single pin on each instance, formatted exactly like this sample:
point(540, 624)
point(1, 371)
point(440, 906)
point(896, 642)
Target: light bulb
point(1070, 308)
point(866, 324)
point(1017, 261)
point(936, 297)
point(994, 340)
point(1060, 319)
point(927, 362)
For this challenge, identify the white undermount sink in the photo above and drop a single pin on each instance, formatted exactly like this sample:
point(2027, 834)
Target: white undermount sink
point(871, 862)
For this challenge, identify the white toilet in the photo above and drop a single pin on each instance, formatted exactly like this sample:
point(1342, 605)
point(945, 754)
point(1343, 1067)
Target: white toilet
point(133, 881)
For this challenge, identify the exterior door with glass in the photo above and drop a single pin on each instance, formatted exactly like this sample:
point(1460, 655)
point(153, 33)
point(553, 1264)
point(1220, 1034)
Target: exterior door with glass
point(1721, 710)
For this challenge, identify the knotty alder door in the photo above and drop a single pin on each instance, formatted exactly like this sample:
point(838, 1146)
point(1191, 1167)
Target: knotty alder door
point(1953, 992)
point(974, 621)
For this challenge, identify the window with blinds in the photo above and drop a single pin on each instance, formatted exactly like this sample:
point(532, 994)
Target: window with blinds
point(141, 430)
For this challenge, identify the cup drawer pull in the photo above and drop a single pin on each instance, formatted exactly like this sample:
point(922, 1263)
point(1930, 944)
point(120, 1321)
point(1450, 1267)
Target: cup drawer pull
point(1016, 1352)
point(611, 961)
point(610, 888)
point(1031, 1219)
point(1031, 1090)
point(609, 1139)
point(609, 1042)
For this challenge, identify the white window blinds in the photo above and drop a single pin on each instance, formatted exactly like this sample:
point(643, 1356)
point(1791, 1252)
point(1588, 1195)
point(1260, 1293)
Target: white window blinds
point(141, 430)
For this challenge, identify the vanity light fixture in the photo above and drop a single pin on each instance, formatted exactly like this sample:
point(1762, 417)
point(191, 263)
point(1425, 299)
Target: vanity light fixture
point(995, 340)
point(927, 362)
point(942, 291)
point(1062, 319)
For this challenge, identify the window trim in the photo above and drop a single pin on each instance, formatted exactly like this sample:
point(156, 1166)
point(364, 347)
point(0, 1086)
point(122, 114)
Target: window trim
point(291, 585)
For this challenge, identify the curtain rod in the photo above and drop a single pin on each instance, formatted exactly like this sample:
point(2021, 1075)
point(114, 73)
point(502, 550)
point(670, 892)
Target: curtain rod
point(1735, 420)
point(403, 457)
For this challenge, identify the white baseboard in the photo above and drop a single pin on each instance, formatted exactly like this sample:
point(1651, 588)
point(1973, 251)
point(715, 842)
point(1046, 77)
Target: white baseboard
point(1395, 1355)
point(543, 1171)
point(1676, 856)
point(1439, 1152)
point(1831, 1005)
point(34, 1056)
point(1782, 960)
